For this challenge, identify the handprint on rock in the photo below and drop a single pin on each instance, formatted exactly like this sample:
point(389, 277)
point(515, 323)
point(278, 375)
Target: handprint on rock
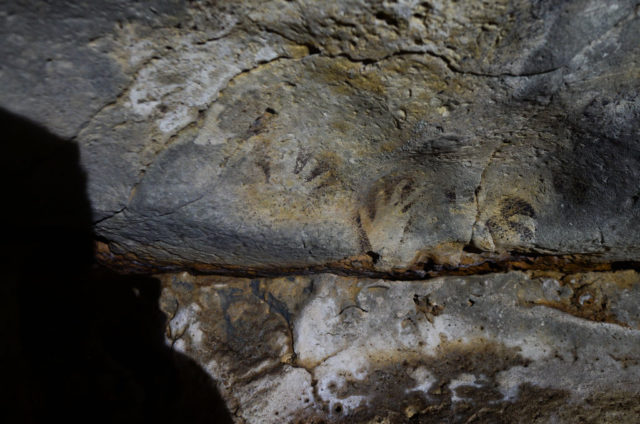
point(320, 170)
point(385, 213)
point(514, 224)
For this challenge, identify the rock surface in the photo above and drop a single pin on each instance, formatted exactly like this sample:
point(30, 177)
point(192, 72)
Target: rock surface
point(296, 134)
point(473, 349)
point(365, 161)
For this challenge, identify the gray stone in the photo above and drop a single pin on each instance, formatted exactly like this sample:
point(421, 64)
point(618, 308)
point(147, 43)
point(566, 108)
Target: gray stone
point(298, 134)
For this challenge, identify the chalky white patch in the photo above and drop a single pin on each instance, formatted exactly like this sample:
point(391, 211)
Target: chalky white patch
point(272, 399)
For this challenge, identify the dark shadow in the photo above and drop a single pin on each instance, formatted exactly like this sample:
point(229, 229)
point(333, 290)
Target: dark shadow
point(79, 342)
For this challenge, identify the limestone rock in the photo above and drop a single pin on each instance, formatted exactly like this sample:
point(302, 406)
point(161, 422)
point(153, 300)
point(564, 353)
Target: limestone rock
point(434, 205)
point(493, 348)
point(299, 134)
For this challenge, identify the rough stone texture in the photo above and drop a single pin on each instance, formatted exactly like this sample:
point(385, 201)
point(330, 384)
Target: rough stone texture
point(343, 148)
point(476, 349)
point(272, 134)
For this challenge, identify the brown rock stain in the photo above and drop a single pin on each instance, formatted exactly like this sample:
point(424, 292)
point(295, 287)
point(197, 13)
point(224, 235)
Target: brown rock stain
point(347, 77)
point(389, 387)
point(590, 296)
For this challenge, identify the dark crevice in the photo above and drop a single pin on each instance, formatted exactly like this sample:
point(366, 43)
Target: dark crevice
point(111, 215)
point(476, 263)
point(311, 47)
point(449, 63)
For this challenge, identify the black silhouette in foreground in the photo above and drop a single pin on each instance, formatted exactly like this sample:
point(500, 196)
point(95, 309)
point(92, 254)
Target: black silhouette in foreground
point(78, 342)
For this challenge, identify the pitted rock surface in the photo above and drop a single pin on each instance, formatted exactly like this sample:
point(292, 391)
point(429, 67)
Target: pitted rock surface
point(496, 348)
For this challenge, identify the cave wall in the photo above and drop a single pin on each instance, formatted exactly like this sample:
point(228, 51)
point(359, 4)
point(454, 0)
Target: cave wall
point(362, 210)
